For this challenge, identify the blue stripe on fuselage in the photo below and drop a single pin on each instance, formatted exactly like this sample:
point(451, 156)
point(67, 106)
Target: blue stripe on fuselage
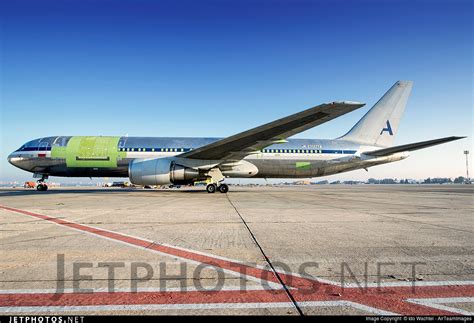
point(35, 149)
point(282, 151)
point(180, 145)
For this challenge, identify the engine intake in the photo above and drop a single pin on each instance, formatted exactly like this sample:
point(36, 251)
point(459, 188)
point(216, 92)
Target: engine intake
point(160, 171)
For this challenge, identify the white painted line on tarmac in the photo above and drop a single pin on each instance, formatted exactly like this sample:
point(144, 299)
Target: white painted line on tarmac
point(437, 303)
point(159, 307)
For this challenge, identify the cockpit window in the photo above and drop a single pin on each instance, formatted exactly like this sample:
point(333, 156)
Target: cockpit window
point(45, 143)
point(30, 145)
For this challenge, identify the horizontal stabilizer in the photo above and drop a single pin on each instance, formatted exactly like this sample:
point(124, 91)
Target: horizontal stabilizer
point(410, 147)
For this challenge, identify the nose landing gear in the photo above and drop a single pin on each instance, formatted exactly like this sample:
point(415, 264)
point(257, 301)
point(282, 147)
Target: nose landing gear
point(42, 186)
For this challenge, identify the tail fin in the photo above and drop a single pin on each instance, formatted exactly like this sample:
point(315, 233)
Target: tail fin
point(379, 126)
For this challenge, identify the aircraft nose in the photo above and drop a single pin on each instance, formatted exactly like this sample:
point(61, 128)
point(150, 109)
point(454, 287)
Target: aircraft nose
point(9, 158)
point(13, 159)
point(19, 161)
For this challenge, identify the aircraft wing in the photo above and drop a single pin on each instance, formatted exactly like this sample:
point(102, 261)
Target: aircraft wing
point(410, 147)
point(251, 141)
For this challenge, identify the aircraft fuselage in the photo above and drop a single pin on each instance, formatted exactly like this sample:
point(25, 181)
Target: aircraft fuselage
point(94, 156)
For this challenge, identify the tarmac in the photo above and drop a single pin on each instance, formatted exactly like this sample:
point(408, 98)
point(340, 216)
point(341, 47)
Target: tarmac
point(277, 250)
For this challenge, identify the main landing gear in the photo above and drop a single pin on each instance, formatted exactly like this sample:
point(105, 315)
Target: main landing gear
point(212, 188)
point(216, 182)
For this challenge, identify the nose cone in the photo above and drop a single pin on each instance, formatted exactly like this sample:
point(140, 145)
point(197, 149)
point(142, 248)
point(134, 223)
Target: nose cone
point(13, 159)
point(9, 158)
point(20, 161)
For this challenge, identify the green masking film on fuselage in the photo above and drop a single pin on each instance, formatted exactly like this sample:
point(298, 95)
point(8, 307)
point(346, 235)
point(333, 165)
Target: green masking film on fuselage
point(90, 151)
point(303, 165)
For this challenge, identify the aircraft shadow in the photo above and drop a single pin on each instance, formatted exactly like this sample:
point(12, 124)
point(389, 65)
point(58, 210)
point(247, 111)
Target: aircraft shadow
point(21, 192)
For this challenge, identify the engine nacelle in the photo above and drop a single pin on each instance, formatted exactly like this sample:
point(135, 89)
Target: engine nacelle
point(160, 171)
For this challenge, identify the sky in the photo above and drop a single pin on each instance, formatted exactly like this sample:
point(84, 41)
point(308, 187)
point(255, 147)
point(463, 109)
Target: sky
point(216, 68)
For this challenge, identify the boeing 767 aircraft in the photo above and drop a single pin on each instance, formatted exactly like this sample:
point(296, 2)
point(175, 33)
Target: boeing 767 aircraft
point(261, 152)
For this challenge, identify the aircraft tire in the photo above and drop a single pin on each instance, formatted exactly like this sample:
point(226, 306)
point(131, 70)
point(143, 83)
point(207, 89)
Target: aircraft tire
point(223, 188)
point(42, 187)
point(211, 188)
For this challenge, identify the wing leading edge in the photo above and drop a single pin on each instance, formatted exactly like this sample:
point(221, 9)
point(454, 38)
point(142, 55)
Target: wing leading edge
point(242, 144)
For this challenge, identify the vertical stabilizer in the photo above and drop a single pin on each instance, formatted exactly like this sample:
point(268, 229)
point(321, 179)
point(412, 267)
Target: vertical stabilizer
point(379, 126)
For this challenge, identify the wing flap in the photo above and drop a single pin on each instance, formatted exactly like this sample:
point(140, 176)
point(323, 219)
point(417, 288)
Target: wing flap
point(410, 147)
point(240, 145)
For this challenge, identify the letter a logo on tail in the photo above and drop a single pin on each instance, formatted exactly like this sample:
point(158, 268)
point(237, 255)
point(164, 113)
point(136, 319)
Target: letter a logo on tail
point(388, 129)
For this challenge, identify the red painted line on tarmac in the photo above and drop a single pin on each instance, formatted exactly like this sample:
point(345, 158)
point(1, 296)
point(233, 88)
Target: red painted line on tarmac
point(390, 299)
point(224, 264)
point(142, 298)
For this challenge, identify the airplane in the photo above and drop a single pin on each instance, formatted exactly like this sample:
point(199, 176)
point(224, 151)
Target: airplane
point(261, 152)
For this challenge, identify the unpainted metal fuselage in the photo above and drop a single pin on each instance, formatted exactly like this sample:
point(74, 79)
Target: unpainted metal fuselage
point(76, 156)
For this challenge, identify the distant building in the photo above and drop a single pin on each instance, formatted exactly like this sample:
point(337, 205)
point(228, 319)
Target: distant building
point(320, 183)
point(352, 182)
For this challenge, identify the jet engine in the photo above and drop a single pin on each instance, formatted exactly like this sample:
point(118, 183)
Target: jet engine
point(160, 171)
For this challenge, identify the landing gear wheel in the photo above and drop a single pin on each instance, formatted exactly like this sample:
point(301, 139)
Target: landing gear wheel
point(223, 188)
point(211, 188)
point(42, 187)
